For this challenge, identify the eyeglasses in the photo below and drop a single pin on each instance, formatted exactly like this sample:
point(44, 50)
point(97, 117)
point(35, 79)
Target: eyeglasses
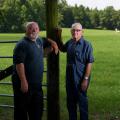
point(76, 30)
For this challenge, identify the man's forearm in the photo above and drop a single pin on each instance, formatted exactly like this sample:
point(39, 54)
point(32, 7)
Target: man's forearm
point(88, 70)
point(21, 71)
point(84, 84)
point(53, 45)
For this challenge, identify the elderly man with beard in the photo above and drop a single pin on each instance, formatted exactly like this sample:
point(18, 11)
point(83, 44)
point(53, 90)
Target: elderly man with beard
point(28, 73)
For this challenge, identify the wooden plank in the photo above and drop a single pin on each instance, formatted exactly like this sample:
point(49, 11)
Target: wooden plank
point(5, 73)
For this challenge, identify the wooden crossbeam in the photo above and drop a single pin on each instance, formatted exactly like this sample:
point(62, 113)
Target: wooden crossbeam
point(6, 72)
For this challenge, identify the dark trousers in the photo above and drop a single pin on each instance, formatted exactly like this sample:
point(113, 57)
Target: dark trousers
point(27, 106)
point(75, 96)
point(75, 99)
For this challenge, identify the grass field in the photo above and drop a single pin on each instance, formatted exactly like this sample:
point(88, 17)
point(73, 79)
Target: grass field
point(104, 89)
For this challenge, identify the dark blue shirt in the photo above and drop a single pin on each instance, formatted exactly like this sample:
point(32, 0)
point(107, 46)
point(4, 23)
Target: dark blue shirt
point(30, 53)
point(79, 54)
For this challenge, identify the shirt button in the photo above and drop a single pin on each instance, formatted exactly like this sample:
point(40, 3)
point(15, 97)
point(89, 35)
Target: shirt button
point(77, 53)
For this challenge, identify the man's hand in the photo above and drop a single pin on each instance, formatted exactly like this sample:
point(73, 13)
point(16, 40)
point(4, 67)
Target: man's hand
point(55, 47)
point(84, 85)
point(21, 73)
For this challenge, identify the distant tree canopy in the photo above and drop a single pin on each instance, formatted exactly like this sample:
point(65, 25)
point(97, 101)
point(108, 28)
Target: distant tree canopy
point(14, 14)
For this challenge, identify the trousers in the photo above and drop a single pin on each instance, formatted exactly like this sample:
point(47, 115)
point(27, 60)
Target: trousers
point(28, 106)
point(80, 100)
point(75, 97)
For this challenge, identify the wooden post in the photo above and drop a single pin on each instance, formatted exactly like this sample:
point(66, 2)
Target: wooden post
point(5, 73)
point(53, 108)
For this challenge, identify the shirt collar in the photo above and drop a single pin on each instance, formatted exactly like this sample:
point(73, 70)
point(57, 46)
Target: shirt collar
point(80, 41)
point(27, 38)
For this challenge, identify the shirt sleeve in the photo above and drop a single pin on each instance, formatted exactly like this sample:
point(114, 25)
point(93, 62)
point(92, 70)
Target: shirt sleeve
point(45, 42)
point(64, 47)
point(19, 54)
point(90, 57)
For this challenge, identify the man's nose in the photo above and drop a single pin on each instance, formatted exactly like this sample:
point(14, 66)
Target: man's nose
point(34, 30)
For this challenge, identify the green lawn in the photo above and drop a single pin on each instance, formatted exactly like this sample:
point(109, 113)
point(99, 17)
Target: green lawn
point(104, 89)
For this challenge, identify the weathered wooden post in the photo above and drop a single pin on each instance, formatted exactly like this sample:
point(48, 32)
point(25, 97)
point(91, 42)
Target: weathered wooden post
point(52, 63)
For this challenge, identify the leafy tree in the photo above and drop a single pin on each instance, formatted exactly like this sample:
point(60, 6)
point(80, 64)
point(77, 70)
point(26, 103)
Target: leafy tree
point(94, 18)
point(35, 11)
point(68, 17)
point(80, 15)
point(14, 13)
point(106, 18)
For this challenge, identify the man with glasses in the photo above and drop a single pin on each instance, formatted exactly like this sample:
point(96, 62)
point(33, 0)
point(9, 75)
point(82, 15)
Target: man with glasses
point(78, 69)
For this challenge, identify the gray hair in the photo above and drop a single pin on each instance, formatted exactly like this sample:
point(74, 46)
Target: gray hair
point(28, 24)
point(76, 25)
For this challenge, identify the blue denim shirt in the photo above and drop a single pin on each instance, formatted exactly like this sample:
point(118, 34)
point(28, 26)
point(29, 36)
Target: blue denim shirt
point(79, 54)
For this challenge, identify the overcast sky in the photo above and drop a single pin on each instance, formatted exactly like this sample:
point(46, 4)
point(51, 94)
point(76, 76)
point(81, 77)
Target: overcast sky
point(100, 4)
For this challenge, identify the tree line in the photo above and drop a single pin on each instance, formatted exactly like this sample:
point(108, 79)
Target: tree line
point(14, 14)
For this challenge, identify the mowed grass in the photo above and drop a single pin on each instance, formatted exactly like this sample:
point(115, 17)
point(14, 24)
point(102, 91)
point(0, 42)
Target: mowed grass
point(104, 89)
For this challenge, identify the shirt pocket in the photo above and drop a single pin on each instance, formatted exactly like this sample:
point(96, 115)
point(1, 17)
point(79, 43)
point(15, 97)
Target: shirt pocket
point(80, 57)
